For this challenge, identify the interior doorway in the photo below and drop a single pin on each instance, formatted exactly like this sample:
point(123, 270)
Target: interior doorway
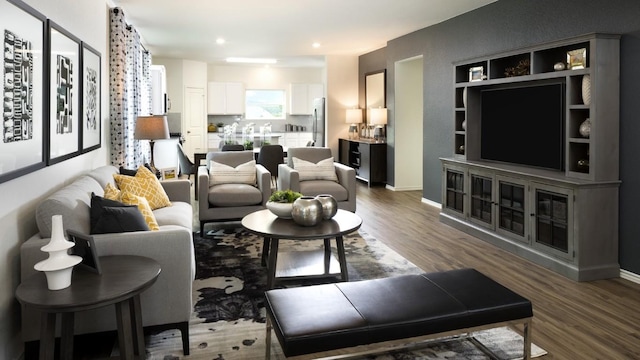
point(408, 123)
point(195, 120)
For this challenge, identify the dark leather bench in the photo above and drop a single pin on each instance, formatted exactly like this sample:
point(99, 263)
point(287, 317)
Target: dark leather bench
point(320, 318)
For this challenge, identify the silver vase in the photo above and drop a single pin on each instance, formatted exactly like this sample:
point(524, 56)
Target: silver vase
point(329, 206)
point(307, 211)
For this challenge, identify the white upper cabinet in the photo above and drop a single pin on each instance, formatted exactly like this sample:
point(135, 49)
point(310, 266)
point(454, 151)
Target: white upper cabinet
point(225, 98)
point(301, 98)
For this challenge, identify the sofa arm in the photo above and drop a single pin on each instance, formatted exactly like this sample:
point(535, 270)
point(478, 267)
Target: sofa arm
point(203, 187)
point(178, 190)
point(288, 178)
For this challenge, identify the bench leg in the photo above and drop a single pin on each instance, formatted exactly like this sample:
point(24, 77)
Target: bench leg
point(267, 355)
point(342, 259)
point(526, 334)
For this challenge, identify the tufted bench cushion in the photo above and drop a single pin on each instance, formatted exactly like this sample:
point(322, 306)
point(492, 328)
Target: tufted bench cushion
point(320, 318)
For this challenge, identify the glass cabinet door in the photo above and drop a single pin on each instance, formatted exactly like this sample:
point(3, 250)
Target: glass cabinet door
point(512, 220)
point(454, 192)
point(551, 226)
point(481, 202)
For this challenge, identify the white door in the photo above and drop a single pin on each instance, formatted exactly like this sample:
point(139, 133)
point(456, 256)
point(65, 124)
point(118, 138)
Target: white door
point(195, 120)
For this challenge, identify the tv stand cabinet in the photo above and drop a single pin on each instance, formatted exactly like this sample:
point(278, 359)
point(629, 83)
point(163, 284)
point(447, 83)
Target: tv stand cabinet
point(566, 221)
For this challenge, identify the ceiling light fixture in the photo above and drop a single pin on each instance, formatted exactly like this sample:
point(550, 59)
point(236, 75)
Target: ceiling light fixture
point(316, 44)
point(251, 60)
point(220, 41)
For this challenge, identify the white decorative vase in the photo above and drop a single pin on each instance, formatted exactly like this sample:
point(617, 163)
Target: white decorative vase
point(586, 89)
point(59, 266)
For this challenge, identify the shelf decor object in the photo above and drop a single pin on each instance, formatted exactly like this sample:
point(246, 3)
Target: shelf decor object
point(476, 73)
point(577, 58)
point(586, 89)
point(585, 128)
point(59, 266)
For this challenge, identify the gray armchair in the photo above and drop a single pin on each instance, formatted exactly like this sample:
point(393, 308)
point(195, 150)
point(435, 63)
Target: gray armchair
point(231, 201)
point(343, 190)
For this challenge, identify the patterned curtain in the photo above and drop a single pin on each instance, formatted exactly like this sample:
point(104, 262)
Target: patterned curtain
point(130, 92)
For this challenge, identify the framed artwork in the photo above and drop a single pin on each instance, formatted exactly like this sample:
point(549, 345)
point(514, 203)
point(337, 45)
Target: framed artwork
point(169, 173)
point(85, 247)
point(476, 73)
point(64, 95)
point(91, 127)
point(577, 59)
point(24, 142)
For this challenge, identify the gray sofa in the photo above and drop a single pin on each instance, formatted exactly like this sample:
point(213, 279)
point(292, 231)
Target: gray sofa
point(165, 305)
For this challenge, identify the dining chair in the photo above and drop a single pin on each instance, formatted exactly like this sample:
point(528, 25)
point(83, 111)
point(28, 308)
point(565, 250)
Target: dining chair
point(187, 167)
point(232, 147)
point(270, 156)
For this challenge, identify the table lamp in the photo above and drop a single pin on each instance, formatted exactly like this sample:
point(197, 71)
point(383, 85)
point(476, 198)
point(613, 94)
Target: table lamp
point(152, 127)
point(379, 120)
point(354, 117)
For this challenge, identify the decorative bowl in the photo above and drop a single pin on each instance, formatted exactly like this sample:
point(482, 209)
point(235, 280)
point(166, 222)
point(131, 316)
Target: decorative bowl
point(279, 209)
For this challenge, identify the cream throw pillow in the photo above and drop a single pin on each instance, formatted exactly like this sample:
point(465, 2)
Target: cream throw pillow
point(323, 170)
point(225, 174)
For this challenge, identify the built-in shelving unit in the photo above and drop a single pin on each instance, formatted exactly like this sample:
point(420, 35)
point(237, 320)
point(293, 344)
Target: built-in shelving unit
point(564, 219)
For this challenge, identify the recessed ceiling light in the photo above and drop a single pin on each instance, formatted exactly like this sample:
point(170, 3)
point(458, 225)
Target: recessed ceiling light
point(316, 44)
point(251, 60)
point(220, 41)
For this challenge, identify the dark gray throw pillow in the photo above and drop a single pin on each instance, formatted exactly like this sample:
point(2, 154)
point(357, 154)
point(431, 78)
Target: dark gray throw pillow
point(106, 218)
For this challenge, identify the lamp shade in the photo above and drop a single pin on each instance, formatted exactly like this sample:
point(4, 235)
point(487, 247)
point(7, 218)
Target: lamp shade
point(354, 116)
point(378, 116)
point(153, 127)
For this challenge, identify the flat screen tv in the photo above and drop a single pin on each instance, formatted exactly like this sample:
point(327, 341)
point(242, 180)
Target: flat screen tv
point(524, 125)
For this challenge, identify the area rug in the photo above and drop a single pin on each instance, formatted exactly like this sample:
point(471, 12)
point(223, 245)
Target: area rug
point(228, 320)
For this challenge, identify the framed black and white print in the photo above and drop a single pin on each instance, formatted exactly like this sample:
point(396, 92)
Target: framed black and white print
point(22, 72)
point(90, 89)
point(64, 94)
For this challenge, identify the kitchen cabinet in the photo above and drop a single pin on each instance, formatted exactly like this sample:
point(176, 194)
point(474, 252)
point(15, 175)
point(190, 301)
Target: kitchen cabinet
point(301, 97)
point(214, 140)
point(225, 98)
point(296, 139)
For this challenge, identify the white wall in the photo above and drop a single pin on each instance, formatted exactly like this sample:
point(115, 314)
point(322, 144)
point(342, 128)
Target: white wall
point(342, 94)
point(88, 21)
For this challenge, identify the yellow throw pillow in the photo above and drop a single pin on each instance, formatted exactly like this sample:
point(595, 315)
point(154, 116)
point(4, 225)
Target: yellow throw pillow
point(144, 184)
point(142, 204)
point(111, 192)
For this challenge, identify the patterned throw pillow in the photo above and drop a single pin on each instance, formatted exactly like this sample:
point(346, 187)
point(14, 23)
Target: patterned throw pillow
point(144, 184)
point(225, 174)
point(128, 198)
point(323, 170)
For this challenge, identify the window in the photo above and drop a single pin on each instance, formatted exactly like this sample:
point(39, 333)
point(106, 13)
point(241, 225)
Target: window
point(264, 104)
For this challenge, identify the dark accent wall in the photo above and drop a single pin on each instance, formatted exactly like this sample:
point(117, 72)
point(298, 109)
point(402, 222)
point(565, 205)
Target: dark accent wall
point(508, 25)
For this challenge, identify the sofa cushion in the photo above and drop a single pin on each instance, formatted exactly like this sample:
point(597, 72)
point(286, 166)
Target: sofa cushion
point(72, 202)
point(317, 187)
point(224, 174)
point(322, 170)
point(180, 214)
point(144, 184)
point(98, 203)
point(234, 195)
point(104, 175)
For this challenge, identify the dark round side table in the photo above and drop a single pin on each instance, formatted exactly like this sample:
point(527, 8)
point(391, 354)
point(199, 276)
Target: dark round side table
point(122, 280)
point(301, 264)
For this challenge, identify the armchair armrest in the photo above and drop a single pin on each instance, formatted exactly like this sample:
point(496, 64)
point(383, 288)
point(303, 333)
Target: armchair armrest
point(346, 178)
point(288, 178)
point(203, 187)
point(178, 190)
point(263, 179)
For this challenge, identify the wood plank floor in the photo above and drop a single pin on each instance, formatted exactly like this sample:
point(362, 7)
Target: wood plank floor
point(572, 320)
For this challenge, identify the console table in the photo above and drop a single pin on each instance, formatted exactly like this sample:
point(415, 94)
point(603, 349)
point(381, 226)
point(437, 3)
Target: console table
point(122, 280)
point(367, 157)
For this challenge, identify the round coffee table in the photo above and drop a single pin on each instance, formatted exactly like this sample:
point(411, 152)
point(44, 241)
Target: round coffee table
point(122, 280)
point(301, 264)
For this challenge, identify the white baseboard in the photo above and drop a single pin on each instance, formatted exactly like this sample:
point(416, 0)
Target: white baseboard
point(432, 203)
point(628, 275)
point(393, 188)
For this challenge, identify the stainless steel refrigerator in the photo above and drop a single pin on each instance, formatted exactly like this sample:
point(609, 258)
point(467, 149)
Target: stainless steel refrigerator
point(318, 122)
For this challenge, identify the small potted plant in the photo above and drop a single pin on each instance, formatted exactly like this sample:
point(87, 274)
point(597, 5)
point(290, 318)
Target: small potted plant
point(220, 126)
point(281, 202)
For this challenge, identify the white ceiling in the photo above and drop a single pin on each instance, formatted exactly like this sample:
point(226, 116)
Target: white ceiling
point(281, 29)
